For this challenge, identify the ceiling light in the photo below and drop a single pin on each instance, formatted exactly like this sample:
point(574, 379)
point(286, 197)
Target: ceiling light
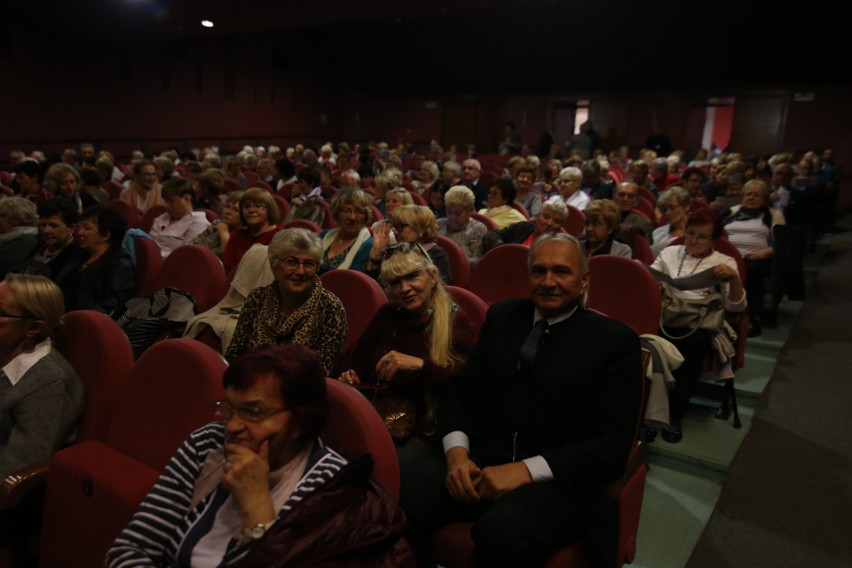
point(207, 23)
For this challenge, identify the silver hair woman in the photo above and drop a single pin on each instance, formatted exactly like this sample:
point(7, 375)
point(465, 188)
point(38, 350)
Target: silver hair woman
point(295, 308)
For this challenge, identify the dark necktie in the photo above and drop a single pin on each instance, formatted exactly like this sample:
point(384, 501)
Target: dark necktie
point(531, 343)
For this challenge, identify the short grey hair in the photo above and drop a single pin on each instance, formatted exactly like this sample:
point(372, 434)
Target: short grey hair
point(676, 192)
point(453, 166)
point(571, 239)
point(293, 240)
point(572, 172)
point(432, 167)
point(459, 196)
point(556, 205)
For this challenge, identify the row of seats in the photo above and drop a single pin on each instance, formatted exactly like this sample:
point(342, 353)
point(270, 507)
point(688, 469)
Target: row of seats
point(136, 415)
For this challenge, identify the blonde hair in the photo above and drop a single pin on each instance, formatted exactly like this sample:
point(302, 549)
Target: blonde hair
point(420, 218)
point(39, 297)
point(440, 332)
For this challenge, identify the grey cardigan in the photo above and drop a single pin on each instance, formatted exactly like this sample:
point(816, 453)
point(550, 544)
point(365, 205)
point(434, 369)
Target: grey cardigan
point(39, 414)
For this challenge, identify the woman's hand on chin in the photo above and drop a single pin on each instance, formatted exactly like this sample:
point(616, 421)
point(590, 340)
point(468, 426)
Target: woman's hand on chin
point(394, 361)
point(246, 477)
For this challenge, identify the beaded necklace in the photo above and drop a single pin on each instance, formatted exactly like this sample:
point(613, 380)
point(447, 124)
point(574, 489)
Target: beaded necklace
point(694, 268)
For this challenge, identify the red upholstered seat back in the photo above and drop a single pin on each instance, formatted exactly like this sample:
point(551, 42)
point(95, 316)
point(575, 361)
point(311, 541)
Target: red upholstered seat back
point(149, 259)
point(459, 264)
point(624, 290)
point(169, 393)
point(354, 425)
point(361, 296)
point(103, 369)
point(147, 220)
point(197, 271)
point(471, 304)
point(501, 274)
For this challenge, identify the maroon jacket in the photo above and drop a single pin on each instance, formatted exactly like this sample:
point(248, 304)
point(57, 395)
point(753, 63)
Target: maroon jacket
point(351, 522)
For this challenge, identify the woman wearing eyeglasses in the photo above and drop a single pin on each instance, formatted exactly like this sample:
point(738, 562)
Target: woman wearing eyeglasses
point(259, 216)
point(259, 488)
point(411, 224)
point(347, 246)
point(414, 343)
point(674, 204)
point(295, 308)
point(694, 256)
point(41, 397)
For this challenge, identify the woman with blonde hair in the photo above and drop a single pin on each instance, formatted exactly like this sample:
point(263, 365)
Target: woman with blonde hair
point(43, 397)
point(64, 181)
point(411, 224)
point(414, 343)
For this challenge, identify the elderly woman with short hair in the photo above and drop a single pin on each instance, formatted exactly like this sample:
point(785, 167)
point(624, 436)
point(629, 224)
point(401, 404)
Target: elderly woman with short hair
point(674, 203)
point(64, 181)
point(602, 220)
point(295, 308)
point(549, 220)
point(412, 224)
point(18, 231)
point(570, 183)
point(458, 224)
point(347, 246)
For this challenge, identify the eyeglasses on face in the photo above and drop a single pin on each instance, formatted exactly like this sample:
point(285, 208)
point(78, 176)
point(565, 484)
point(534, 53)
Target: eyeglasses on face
point(697, 236)
point(398, 227)
point(292, 263)
point(254, 205)
point(350, 211)
point(224, 410)
point(14, 316)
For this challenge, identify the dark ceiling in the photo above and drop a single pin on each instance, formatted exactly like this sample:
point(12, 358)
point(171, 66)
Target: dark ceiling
point(490, 46)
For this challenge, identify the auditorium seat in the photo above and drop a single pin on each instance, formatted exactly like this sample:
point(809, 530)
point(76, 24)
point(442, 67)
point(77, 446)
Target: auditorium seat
point(94, 488)
point(127, 210)
point(471, 304)
point(485, 220)
point(459, 264)
point(195, 270)
point(501, 274)
point(575, 223)
point(523, 210)
point(626, 291)
point(283, 206)
point(361, 296)
point(353, 425)
point(304, 224)
point(147, 220)
point(149, 259)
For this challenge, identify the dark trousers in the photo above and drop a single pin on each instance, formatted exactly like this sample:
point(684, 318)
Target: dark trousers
point(757, 271)
point(521, 529)
point(694, 350)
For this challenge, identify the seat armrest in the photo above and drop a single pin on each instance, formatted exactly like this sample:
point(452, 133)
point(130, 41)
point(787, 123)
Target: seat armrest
point(636, 459)
point(18, 485)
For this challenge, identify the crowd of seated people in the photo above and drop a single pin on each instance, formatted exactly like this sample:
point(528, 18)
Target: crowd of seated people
point(53, 225)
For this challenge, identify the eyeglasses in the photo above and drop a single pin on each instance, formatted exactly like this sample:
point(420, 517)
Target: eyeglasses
point(398, 228)
point(697, 236)
point(405, 248)
point(291, 263)
point(225, 410)
point(350, 211)
point(14, 316)
point(254, 205)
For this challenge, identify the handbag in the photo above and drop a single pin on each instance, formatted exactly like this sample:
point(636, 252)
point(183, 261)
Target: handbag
point(399, 415)
point(705, 313)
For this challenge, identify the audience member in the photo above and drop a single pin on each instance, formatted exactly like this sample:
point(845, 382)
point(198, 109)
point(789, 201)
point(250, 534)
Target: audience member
point(295, 308)
point(347, 246)
point(553, 214)
point(42, 397)
point(526, 453)
point(413, 344)
point(100, 276)
point(674, 204)
point(626, 197)
point(144, 191)
point(179, 225)
point(18, 232)
point(62, 180)
point(569, 185)
point(57, 223)
point(526, 196)
point(470, 177)
point(215, 237)
point(601, 225)
point(259, 218)
point(500, 199)
point(28, 179)
point(459, 226)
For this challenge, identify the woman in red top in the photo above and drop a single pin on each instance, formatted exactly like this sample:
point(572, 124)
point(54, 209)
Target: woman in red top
point(259, 215)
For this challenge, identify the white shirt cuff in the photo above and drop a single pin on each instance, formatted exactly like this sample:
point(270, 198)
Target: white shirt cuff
point(455, 439)
point(539, 470)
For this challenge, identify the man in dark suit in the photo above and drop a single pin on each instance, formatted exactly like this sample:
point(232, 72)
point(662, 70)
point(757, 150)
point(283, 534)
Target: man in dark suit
point(470, 177)
point(539, 421)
